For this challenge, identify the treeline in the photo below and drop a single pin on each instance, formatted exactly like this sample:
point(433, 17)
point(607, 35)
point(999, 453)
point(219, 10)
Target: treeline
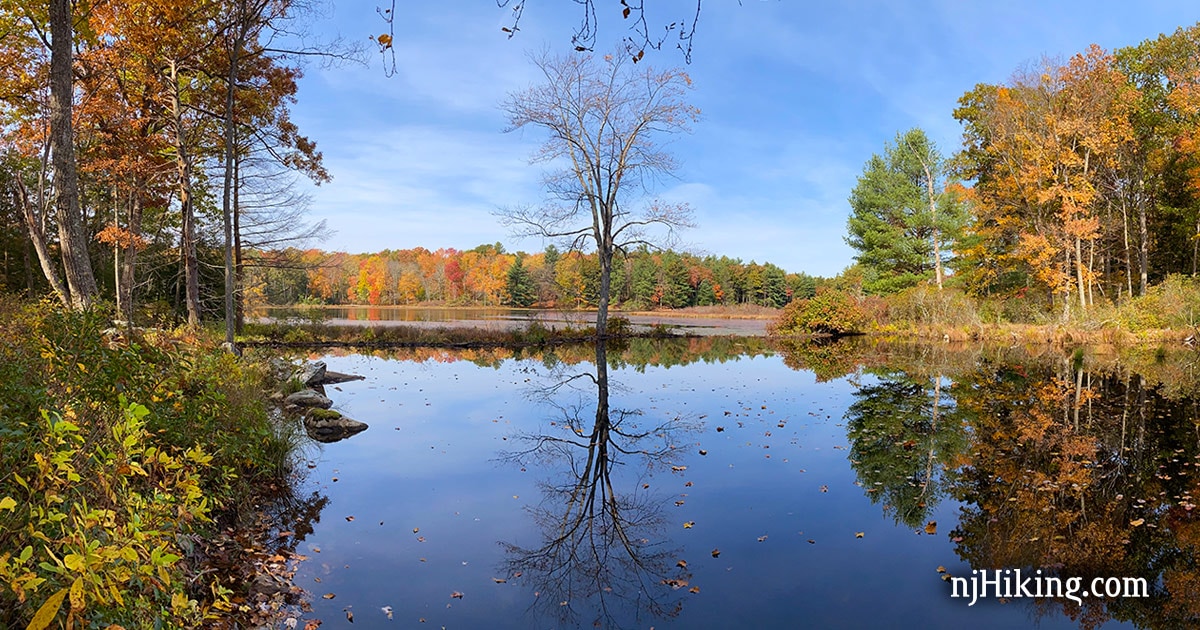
point(1078, 185)
point(489, 276)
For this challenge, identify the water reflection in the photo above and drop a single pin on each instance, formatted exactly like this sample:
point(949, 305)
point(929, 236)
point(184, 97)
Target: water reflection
point(602, 558)
point(905, 431)
point(1065, 464)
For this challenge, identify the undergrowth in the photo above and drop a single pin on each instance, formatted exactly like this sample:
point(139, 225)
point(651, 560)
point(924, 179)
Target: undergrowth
point(113, 452)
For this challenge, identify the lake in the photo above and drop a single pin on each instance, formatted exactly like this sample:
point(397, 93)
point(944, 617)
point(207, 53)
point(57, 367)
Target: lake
point(500, 318)
point(720, 483)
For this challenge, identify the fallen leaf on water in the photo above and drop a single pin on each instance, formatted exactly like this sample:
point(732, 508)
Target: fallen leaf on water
point(687, 485)
point(682, 564)
point(329, 595)
point(716, 552)
point(350, 518)
point(423, 560)
point(811, 541)
point(349, 614)
point(679, 503)
point(703, 452)
point(931, 528)
point(674, 583)
point(499, 580)
point(1137, 523)
point(720, 429)
point(762, 538)
point(420, 539)
point(387, 610)
point(678, 468)
point(688, 525)
point(286, 534)
point(335, 479)
point(517, 574)
point(456, 595)
point(312, 624)
point(824, 488)
point(416, 529)
point(645, 485)
point(289, 623)
point(694, 589)
point(859, 534)
point(941, 569)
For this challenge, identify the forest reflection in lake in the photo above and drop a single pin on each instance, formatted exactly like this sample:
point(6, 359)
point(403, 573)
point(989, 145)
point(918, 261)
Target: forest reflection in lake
point(721, 483)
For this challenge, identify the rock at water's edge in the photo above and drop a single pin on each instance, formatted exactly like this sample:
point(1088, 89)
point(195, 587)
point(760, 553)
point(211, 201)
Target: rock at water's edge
point(337, 377)
point(331, 426)
point(308, 398)
point(311, 374)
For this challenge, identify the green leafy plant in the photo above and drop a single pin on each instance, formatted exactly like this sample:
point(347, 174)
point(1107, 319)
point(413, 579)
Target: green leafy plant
point(829, 313)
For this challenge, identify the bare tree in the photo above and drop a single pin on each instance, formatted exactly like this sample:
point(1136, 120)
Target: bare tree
point(606, 120)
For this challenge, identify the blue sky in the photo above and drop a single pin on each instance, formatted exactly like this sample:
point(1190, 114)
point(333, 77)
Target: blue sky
point(795, 97)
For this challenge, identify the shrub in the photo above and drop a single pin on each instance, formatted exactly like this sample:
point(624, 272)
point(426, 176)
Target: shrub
point(617, 327)
point(829, 313)
point(1173, 303)
point(924, 305)
point(113, 451)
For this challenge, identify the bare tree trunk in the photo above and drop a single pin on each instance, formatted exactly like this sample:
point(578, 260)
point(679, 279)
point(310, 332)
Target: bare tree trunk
point(1128, 251)
point(937, 234)
point(605, 288)
point(1143, 245)
point(239, 266)
point(1067, 289)
point(28, 267)
point(183, 164)
point(37, 237)
point(129, 260)
point(1079, 273)
point(81, 284)
point(230, 139)
point(1091, 283)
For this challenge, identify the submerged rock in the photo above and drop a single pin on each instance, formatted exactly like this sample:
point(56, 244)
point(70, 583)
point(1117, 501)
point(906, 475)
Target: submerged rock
point(308, 398)
point(325, 425)
point(337, 377)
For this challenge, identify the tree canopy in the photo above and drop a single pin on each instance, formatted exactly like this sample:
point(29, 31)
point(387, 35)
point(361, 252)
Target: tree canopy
point(904, 215)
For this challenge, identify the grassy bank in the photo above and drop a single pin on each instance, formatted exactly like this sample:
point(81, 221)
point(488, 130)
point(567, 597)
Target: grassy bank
point(1169, 314)
point(121, 459)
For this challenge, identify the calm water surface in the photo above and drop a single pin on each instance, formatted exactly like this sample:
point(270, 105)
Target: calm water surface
point(496, 318)
point(716, 484)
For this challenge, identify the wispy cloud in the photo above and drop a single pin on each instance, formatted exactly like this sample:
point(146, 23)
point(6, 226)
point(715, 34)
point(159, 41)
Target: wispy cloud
point(796, 96)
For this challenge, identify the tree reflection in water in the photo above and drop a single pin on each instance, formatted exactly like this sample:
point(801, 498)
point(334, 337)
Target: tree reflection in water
point(1069, 465)
point(905, 431)
point(603, 558)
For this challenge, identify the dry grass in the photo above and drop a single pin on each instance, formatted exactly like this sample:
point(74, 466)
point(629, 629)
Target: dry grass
point(738, 311)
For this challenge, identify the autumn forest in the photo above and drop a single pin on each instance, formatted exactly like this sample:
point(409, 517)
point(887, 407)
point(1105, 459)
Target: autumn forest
point(168, 451)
